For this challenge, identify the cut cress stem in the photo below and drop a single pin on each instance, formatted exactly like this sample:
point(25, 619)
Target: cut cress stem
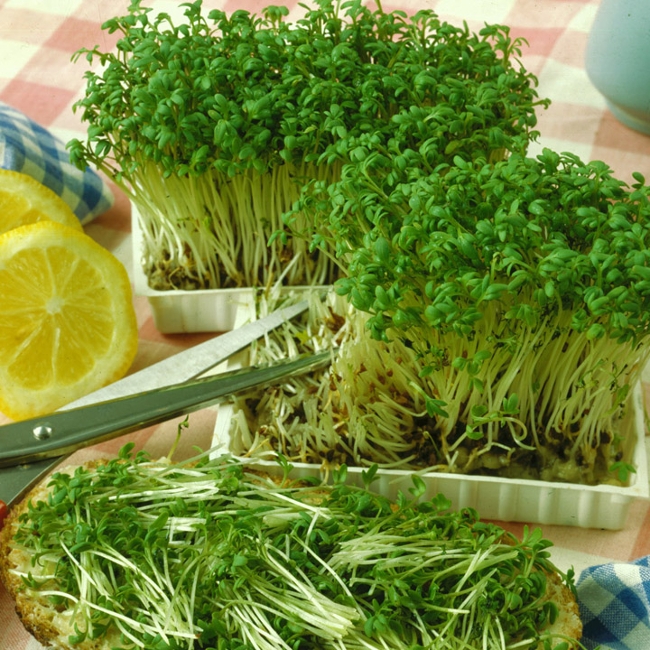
point(364, 411)
point(126, 552)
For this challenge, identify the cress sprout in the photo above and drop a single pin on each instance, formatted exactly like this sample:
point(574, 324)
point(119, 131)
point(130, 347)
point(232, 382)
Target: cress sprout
point(368, 408)
point(211, 125)
point(207, 554)
point(523, 286)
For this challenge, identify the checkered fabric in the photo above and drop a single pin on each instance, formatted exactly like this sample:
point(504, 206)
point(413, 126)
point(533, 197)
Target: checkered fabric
point(614, 602)
point(27, 147)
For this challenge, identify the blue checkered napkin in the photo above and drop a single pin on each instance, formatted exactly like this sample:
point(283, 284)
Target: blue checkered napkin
point(27, 147)
point(614, 602)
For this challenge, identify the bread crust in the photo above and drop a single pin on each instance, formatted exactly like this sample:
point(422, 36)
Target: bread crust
point(51, 630)
point(36, 618)
point(568, 621)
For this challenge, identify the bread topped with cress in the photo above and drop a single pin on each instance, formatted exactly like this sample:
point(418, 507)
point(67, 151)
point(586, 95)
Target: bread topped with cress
point(210, 554)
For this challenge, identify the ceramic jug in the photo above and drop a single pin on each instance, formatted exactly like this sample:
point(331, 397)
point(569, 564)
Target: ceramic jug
point(618, 59)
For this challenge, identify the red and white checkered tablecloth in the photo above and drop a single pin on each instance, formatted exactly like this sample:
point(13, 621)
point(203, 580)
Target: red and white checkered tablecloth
point(38, 38)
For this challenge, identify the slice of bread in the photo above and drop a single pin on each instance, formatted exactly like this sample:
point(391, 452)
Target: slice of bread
point(49, 626)
point(55, 625)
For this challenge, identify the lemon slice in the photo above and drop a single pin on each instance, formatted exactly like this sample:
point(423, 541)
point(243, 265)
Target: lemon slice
point(67, 322)
point(24, 200)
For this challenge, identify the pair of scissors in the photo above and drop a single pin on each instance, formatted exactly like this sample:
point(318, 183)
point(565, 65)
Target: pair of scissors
point(29, 449)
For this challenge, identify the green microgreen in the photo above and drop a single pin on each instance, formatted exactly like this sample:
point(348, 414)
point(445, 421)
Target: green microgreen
point(184, 424)
point(366, 409)
point(207, 554)
point(212, 124)
point(524, 288)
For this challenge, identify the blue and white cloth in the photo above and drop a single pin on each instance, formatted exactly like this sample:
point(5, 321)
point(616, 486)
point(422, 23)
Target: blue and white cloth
point(27, 147)
point(614, 601)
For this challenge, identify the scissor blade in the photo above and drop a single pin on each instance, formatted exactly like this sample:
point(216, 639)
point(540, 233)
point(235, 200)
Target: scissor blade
point(193, 362)
point(16, 481)
point(66, 431)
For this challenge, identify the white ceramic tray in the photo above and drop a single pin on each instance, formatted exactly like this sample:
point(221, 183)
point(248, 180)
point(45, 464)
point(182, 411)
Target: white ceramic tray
point(520, 500)
point(200, 310)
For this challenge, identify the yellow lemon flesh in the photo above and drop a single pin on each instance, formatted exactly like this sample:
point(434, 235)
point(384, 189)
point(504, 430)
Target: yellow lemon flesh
point(24, 200)
point(67, 323)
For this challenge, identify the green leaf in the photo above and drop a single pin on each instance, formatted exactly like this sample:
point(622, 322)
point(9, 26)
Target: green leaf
point(596, 331)
point(479, 410)
point(239, 561)
point(435, 407)
point(511, 404)
point(537, 208)
point(419, 486)
point(369, 475)
point(382, 250)
point(622, 470)
point(549, 289)
point(473, 434)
